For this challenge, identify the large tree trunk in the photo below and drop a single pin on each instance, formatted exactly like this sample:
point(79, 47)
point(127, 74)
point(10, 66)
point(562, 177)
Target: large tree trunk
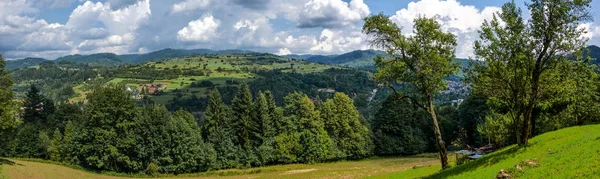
point(438, 136)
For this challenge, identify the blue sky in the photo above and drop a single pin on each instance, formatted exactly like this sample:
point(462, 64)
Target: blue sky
point(54, 28)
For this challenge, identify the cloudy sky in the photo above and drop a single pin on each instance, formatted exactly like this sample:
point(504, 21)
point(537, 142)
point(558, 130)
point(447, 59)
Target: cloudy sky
point(53, 28)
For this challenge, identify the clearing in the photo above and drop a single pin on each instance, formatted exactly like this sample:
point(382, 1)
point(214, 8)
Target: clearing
point(21, 169)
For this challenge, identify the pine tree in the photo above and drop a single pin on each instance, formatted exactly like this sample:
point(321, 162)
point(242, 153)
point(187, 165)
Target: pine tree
point(215, 115)
point(245, 127)
point(37, 108)
point(68, 142)
point(275, 113)
point(56, 145)
point(263, 115)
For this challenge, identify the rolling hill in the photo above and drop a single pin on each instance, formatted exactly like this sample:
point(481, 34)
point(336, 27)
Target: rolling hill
point(14, 64)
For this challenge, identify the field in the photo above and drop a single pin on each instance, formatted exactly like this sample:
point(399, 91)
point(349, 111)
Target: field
point(567, 153)
point(21, 169)
point(218, 69)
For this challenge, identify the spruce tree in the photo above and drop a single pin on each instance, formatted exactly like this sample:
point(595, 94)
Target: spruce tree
point(262, 115)
point(56, 146)
point(245, 126)
point(215, 115)
point(68, 142)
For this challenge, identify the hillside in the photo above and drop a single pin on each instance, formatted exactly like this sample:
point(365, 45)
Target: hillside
point(567, 153)
point(99, 59)
point(594, 52)
point(27, 62)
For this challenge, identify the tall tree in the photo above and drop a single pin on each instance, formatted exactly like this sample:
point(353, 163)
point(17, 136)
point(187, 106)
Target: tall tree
point(107, 137)
point(522, 57)
point(8, 108)
point(37, 108)
point(245, 127)
point(56, 146)
point(344, 127)
point(316, 144)
point(263, 115)
point(418, 63)
point(215, 115)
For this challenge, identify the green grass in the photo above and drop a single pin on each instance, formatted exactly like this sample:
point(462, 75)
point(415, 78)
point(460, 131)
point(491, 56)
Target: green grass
point(35, 168)
point(567, 153)
point(231, 65)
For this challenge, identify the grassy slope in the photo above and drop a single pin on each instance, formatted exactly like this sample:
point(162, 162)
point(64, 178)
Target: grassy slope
point(225, 62)
point(344, 169)
point(568, 153)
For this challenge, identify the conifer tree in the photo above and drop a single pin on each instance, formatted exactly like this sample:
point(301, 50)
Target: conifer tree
point(215, 115)
point(262, 115)
point(244, 124)
point(56, 146)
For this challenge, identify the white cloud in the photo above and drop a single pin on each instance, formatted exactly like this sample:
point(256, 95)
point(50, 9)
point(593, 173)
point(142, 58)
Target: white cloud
point(332, 13)
point(190, 5)
point(284, 51)
point(201, 30)
point(339, 41)
point(461, 20)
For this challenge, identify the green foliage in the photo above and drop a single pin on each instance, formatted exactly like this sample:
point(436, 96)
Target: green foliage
point(420, 63)
point(245, 125)
point(37, 108)
point(107, 135)
point(471, 113)
point(495, 128)
point(343, 126)
point(43, 145)
point(396, 128)
point(8, 108)
point(56, 146)
point(523, 59)
point(215, 115)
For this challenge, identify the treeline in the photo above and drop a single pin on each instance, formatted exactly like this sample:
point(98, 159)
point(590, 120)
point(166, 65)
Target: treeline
point(55, 79)
point(112, 133)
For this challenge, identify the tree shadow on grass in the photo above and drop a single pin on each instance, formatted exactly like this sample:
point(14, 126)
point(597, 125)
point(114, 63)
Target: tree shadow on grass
point(488, 160)
point(6, 162)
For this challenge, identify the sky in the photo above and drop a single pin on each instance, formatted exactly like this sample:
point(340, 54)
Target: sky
point(54, 28)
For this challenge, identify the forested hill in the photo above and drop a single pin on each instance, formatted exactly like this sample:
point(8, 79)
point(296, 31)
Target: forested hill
point(361, 59)
point(594, 52)
point(13, 64)
point(111, 59)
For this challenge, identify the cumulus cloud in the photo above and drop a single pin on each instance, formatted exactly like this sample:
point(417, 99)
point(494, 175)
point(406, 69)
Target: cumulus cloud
point(120, 4)
point(332, 41)
point(461, 20)
point(283, 51)
point(592, 33)
point(332, 13)
point(190, 5)
point(253, 4)
point(201, 30)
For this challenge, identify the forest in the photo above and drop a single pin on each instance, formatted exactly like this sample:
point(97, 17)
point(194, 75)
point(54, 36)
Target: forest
point(238, 110)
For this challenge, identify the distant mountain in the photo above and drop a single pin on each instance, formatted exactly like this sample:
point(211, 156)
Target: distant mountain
point(356, 59)
point(299, 57)
point(594, 52)
point(98, 59)
point(27, 62)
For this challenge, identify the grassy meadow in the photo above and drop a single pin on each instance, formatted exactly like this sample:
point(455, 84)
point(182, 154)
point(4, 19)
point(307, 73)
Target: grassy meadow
point(222, 68)
point(27, 168)
point(567, 153)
